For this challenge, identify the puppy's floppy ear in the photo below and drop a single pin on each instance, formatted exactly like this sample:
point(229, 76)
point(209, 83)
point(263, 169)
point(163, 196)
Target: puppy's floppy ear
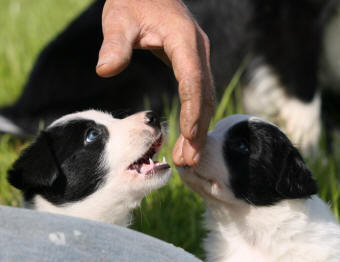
point(295, 179)
point(36, 166)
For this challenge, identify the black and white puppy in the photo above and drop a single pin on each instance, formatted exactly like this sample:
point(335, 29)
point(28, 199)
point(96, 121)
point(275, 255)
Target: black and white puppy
point(261, 197)
point(92, 165)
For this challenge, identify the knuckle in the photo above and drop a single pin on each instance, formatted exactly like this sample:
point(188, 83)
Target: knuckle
point(189, 25)
point(188, 29)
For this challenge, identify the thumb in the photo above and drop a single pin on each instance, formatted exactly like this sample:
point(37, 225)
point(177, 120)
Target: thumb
point(116, 50)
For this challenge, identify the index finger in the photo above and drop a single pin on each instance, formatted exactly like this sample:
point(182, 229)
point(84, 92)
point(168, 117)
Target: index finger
point(190, 61)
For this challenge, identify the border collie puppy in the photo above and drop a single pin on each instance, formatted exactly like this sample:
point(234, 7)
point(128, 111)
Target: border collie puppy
point(261, 197)
point(91, 165)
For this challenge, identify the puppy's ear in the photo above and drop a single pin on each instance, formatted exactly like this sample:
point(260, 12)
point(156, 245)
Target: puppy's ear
point(36, 166)
point(295, 180)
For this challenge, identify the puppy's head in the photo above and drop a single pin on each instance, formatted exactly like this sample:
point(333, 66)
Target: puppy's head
point(248, 159)
point(91, 156)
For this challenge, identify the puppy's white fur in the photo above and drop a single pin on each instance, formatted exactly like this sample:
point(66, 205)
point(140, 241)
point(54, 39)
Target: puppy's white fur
point(292, 230)
point(299, 230)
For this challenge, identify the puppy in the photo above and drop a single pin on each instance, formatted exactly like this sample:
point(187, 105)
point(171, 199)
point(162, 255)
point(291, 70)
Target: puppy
point(261, 197)
point(92, 165)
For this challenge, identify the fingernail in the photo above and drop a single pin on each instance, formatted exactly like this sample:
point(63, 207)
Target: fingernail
point(182, 160)
point(104, 60)
point(100, 64)
point(194, 131)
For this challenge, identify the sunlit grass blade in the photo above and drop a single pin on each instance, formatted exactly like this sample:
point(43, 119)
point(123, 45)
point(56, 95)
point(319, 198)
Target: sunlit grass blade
point(226, 101)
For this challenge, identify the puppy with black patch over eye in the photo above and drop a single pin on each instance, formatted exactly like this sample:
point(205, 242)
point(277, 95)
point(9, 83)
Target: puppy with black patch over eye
point(91, 165)
point(261, 197)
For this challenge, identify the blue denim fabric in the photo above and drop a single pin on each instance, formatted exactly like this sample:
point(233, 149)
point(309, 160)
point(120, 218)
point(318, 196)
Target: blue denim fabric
point(27, 235)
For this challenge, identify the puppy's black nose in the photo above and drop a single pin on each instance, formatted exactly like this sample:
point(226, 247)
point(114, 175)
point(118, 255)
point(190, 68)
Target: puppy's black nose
point(152, 119)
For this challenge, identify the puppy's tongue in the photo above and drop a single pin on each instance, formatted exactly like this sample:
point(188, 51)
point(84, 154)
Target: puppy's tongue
point(147, 168)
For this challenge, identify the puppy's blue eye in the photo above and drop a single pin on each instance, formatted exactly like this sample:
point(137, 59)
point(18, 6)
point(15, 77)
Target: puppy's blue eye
point(243, 147)
point(92, 135)
point(239, 145)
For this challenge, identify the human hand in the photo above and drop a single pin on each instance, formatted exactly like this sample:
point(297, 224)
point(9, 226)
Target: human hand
point(167, 28)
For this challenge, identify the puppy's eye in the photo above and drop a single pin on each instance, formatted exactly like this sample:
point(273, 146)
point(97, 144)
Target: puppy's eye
point(240, 146)
point(243, 147)
point(92, 135)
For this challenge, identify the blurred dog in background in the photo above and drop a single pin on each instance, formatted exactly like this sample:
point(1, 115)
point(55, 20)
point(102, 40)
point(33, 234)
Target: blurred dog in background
point(291, 49)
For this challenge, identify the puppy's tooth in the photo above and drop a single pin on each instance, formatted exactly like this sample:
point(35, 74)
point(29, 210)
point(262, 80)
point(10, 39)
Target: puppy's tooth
point(150, 160)
point(164, 160)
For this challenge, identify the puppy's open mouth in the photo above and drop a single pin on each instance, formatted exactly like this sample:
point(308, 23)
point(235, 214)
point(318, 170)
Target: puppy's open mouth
point(145, 165)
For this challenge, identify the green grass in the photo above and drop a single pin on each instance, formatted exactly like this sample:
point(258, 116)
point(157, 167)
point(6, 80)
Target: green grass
point(26, 26)
point(172, 213)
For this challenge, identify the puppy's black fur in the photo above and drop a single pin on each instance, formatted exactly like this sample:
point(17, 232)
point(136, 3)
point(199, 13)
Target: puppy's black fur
point(61, 165)
point(284, 34)
point(264, 166)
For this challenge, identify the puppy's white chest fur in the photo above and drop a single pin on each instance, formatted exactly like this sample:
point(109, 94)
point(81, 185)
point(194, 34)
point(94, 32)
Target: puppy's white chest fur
point(237, 250)
point(292, 230)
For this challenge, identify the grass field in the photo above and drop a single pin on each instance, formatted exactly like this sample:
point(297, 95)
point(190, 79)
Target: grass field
point(172, 213)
